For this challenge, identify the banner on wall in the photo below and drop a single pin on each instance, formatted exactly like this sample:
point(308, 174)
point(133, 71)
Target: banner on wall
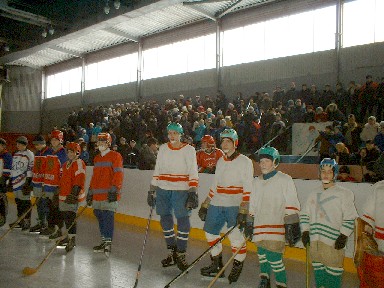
point(304, 135)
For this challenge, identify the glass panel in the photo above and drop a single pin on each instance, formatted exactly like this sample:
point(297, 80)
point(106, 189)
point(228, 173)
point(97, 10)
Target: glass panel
point(324, 29)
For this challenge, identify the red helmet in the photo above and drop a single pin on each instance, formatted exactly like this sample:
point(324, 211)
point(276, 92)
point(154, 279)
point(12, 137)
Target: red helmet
point(208, 139)
point(57, 134)
point(75, 147)
point(105, 137)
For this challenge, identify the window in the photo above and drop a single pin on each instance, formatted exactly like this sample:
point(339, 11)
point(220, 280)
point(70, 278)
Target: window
point(301, 33)
point(180, 57)
point(64, 83)
point(119, 70)
point(363, 22)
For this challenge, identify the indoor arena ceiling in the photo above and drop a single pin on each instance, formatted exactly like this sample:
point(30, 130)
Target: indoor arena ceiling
point(73, 28)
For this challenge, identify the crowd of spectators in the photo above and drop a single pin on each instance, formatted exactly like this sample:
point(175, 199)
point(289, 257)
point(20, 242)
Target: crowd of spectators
point(258, 118)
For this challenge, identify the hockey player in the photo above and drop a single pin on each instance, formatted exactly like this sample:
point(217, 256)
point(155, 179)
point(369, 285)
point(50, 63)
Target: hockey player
point(53, 171)
point(174, 189)
point(5, 173)
point(208, 156)
point(71, 192)
point(105, 190)
point(327, 219)
point(21, 173)
point(274, 217)
point(39, 165)
point(227, 203)
point(371, 270)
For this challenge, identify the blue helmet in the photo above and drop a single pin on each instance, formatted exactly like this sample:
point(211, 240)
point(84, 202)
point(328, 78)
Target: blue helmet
point(270, 153)
point(231, 134)
point(332, 163)
point(175, 127)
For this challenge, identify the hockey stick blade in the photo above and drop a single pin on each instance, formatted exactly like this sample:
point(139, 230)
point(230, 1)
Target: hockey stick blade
point(200, 257)
point(29, 271)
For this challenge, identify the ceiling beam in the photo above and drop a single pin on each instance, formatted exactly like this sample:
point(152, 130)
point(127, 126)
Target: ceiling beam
point(229, 9)
point(66, 51)
point(200, 11)
point(121, 33)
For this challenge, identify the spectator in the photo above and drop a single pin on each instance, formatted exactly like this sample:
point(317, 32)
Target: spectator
point(84, 154)
point(328, 96)
point(351, 131)
point(325, 144)
point(309, 116)
point(304, 95)
point(353, 97)
point(320, 115)
point(148, 155)
point(132, 155)
point(342, 154)
point(296, 115)
point(373, 153)
point(315, 98)
point(341, 99)
point(198, 131)
point(379, 138)
point(367, 97)
point(292, 93)
point(345, 175)
point(334, 114)
point(370, 129)
point(380, 99)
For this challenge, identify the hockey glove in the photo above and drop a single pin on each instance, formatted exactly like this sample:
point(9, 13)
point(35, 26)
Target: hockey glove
point(73, 197)
point(204, 209)
point(27, 187)
point(242, 215)
point(89, 198)
point(192, 200)
point(305, 238)
point(248, 230)
point(292, 229)
point(112, 194)
point(151, 199)
point(341, 241)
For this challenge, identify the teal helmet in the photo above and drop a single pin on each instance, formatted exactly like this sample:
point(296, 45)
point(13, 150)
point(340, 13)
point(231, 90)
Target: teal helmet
point(175, 127)
point(270, 153)
point(231, 134)
point(332, 163)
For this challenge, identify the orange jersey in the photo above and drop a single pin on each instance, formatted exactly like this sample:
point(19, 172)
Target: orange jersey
point(207, 161)
point(39, 166)
point(107, 172)
point(53, 169)
point(73, 175)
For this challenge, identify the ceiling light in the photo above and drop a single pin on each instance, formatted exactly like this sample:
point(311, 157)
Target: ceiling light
point(116, 4)
point(44, 33)
point(51, 30)
point(106, 8)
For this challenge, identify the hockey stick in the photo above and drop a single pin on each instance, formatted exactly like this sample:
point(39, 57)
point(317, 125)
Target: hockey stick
point(227, 264)
point(142, 249)
point(200, 257)
point(29, 270)
point(19, 219)
point(307, 268)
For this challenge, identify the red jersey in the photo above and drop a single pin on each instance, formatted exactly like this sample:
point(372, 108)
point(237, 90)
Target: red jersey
point(207, 161)
point(107, 172)
point(73, 175)
point(53, 169)
point(39, 166)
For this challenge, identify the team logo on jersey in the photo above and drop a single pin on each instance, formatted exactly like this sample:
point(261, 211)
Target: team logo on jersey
point(50, 164)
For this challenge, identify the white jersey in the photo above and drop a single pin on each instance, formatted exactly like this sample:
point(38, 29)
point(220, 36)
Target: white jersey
point(232, 183)
point(373, 213)
point(176, 168)
point(327, 213)
point(271, 200)
point(22, 164)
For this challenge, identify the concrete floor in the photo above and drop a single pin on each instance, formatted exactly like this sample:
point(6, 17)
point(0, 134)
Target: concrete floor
point(83, 268)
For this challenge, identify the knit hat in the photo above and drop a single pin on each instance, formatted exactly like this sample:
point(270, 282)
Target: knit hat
point(39, 139)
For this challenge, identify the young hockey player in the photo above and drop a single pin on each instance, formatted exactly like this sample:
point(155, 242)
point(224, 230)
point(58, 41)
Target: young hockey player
point(21, 173)
point(274, 217)
point(371, 269)
point(5, 173)
point(174, 189)
point(38, 170)
point(71, 192)
point(105, 190)
point(53, 170)
point(227, 203)
point(208, 156)
point(327, 219)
